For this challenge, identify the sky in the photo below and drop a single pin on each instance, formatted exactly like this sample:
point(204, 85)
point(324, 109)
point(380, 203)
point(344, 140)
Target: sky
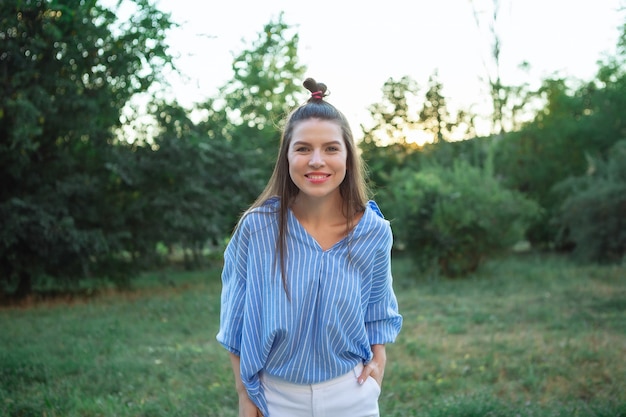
point(354, 47)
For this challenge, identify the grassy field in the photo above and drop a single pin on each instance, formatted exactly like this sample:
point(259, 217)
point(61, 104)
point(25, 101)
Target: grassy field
point(528, 336)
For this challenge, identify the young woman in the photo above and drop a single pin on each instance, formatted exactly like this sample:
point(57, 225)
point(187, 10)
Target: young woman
point(307, 298)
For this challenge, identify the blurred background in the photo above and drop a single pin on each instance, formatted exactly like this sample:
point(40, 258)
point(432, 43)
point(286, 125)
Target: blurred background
point(134, 133)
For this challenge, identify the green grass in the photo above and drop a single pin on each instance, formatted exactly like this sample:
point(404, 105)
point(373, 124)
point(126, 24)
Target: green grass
point(527, 336)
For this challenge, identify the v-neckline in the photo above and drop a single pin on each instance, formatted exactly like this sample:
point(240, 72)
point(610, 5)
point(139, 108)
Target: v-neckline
point(310, 237)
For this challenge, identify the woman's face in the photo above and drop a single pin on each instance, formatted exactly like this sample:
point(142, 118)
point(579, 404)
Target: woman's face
point(317, 157)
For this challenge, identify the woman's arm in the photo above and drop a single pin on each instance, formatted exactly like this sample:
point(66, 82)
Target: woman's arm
point(376, 367)
point(246, 406)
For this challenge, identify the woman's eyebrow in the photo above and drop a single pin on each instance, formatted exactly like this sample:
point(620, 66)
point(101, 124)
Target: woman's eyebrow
point(301, 142)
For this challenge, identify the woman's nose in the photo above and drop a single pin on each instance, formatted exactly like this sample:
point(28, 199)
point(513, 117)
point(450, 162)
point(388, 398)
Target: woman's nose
point(316, 159)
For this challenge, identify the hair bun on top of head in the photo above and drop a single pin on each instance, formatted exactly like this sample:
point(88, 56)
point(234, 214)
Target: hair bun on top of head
point(318, 90)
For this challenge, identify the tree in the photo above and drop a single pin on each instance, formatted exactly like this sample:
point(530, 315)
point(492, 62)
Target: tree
point(576, 124)
point(67, 68)
point(266, 86)
point(434, 116)
point(509, 102)
point(392, 141)
point(497, 90)
point(392, 117)
point(385, 145)
point(197, 177)
point(193, 185)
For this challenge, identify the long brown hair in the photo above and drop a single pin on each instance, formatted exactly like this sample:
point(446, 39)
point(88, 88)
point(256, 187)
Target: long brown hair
point(353, 189)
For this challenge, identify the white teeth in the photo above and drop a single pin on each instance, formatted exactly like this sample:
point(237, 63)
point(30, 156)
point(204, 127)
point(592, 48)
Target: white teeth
point(317, 177)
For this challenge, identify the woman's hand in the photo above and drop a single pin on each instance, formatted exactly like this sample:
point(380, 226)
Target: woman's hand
point(376, 367)
point(247, 407)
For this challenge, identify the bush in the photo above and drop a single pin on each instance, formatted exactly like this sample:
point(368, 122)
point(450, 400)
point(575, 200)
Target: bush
point(593, 214)
point(452, 219)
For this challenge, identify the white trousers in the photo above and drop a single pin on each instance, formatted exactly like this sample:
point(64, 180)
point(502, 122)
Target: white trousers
point(339, 397)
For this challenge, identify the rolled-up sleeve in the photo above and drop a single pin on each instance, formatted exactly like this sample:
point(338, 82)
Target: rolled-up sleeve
point(233, 291)
point(382, 319)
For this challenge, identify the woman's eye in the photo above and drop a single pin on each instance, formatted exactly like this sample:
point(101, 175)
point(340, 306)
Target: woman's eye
point(301, 149)
point(333, 149)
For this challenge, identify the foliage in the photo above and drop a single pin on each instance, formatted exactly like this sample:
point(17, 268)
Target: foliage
point(67, 68)
point(393, 117)
point(385, 146)
point(528, 336)
point(546, 151)
point(435, 116)
point(383, 160)
point(78, 202)
point(193, 185)
point(593, 212)
point(453, 219)
point(209, 171)
point(555, 146)
point(577, 122)
point(476, 152)
point(401, 136)
point(266, 86)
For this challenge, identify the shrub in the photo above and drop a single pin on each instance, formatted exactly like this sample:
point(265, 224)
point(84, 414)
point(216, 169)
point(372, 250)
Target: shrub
point(593, 214)
point(453, 219)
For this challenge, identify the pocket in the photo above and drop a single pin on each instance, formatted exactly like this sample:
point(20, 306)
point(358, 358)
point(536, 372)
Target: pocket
point(374, 385)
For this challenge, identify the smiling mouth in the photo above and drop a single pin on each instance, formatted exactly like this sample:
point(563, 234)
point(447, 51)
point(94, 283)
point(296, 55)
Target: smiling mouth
point(317, 177)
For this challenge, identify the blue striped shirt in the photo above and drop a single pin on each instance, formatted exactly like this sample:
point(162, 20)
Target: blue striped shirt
point(342, 300)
